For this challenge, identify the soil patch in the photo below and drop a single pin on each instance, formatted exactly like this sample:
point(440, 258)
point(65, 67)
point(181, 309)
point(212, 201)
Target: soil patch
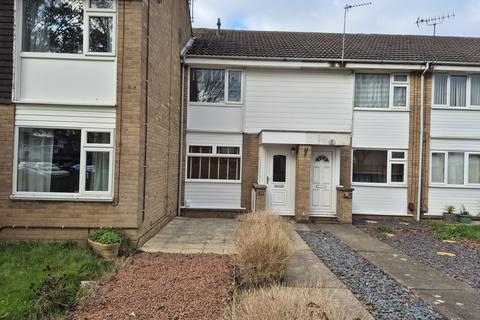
point(163, 286)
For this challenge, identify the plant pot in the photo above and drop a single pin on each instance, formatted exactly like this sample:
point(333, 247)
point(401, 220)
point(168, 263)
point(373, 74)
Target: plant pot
point(449, 217)
point(107, 251)
point(464, 218)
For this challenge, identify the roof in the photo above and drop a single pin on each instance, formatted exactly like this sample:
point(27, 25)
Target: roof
point(328, 46)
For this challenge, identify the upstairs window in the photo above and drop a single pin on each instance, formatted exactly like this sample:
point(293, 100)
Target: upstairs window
point(59, 26)
point(215, 86)
point(376, 90)
point(458, 91)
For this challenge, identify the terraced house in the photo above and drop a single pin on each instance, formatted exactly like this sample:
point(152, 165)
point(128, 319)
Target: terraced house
point(90, 136)
point(296, 124)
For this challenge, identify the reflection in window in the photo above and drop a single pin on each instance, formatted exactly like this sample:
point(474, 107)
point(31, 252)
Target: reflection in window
point(48, 160)
point(370, 166)
point(53, 26)
point(101, 34)
point(234, 86)
point(98, 137)
point(97, 171)
point(398, 172)
point(279, 168)
point(207, 85)
point(101, 4)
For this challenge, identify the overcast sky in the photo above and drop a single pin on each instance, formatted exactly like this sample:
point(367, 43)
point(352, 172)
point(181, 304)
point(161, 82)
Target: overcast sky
point(383, 16)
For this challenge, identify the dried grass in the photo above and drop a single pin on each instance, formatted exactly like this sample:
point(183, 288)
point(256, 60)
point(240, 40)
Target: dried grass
point(282, 303)
point(263, 248)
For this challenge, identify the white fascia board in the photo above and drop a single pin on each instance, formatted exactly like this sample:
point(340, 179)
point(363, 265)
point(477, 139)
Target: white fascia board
point(385, 66)
point(456, 68)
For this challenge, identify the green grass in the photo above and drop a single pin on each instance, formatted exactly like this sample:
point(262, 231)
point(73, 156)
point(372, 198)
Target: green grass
point(22, 264)
point(383, 230)
point(455, 231)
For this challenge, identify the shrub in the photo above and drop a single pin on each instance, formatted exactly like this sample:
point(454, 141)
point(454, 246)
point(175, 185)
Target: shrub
point(263, 248)
point(279, 303)
point(107, 236)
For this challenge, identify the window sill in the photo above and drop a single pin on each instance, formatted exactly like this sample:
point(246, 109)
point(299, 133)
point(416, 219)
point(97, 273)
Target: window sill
point(68, 56)
point(456, 108)
point(60, 198)
point(452, 186)
point(379, 185)
point(216, 105)
point(382, 109)
point(214, 181)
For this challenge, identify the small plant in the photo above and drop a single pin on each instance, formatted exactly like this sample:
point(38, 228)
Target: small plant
point(51, 297)
point(450, 209)
point(263, 248)
point(383, 230)
point(106, 236)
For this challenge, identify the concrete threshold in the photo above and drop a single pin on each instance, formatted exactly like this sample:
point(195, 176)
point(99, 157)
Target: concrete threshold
point(452, 298)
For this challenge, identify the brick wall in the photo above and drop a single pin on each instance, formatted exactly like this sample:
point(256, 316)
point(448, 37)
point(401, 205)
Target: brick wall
point(302, 182)
point(6, 48)
point(249, 168)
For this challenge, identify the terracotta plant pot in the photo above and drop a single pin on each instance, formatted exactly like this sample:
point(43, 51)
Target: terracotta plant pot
point(449, 217)
point(107, 251)
point(464, 218)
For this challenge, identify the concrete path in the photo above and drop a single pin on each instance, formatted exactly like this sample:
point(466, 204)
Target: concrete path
point(194, 235)
point(307, 271)
point(452, 298)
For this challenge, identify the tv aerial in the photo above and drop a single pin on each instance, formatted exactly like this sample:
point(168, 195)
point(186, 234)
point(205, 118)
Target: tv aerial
point(434, 21)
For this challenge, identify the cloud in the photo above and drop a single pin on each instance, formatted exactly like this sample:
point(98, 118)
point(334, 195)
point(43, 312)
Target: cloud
point(383, 16)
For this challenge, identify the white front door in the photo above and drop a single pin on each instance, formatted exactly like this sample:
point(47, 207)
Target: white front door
point(280, 167)
point(321, 183)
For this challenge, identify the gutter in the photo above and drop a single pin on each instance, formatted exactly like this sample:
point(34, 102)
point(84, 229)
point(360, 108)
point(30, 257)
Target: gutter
point(420, 167)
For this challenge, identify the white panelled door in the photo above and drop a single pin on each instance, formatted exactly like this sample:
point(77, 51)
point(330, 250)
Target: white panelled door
point(280, 175)
point(321, 183)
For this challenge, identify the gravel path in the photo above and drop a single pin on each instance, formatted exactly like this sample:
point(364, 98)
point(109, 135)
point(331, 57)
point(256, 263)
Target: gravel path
point(383, 296)
point(416, 241)
point(163, 286)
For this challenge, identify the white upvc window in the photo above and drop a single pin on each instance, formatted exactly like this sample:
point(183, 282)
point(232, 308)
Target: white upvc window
point(374, 166)
point(456, 90)
point(63, 163)
point(214, 163)
point(215, 86)
point(455, 168)
point(381, 90)
point(56, 27)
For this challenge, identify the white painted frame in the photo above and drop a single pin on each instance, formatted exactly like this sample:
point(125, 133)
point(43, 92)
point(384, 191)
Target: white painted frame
point(225, 103)
point(392, 85)
point(445, 184)
point(468, 92)
point(82, 195)
point(390, 161)
point(86, 33)
point(214, 154)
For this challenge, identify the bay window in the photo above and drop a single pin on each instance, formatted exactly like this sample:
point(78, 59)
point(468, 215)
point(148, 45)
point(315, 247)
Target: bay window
point(63, 163)
point(215, 86)
point(377, 90)
point(458, 91)
point(69, 26)
point(455, 168)
point(379, 166)
point(210, 163)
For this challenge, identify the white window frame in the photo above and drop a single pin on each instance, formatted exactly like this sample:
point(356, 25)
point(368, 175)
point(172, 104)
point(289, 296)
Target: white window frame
point(214, 154)
point(390, 161)
point(466, 183)
point(87, 12)
point(468, 92)
point(226, 101)
point(393, 83)
point(82, 194)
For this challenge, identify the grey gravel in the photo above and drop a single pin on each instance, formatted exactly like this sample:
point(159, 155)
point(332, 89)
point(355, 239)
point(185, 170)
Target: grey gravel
point(417, 241)
point(383, 297)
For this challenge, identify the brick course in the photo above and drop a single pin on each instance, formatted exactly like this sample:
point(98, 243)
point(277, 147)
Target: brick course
point(302, 182)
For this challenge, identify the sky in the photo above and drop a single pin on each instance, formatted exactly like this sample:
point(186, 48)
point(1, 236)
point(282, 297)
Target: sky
point(382, 16)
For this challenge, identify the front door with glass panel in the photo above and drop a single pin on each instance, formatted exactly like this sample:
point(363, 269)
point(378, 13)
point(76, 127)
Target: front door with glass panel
point(321, 183)
point(279, 176)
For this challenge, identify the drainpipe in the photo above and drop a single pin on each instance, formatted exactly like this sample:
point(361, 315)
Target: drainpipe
point(420, 168)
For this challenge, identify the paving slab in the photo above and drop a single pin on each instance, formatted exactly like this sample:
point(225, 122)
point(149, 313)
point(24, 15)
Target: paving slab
point(454, 299)
point(194, 236)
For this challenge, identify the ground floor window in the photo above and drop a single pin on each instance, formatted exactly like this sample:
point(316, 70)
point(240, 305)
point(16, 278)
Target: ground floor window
point(63, 162)
point(379, 166)
point(455, 168)
point(213, 163)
